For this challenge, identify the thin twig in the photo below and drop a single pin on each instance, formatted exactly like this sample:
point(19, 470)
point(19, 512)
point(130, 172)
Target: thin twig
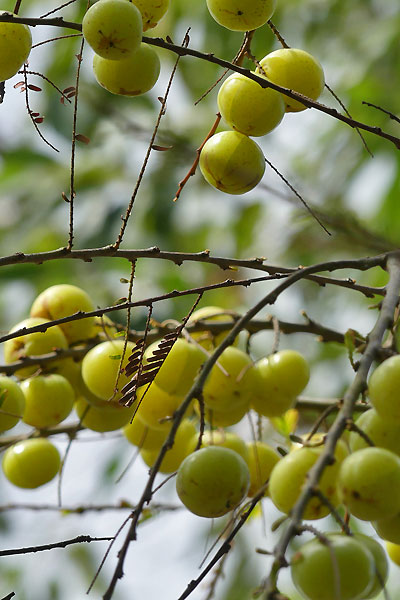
point(72, 192)
point(161, 113)
point(77, 540)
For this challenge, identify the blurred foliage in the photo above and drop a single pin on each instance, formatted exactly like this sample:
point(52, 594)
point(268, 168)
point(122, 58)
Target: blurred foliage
point(356, 196)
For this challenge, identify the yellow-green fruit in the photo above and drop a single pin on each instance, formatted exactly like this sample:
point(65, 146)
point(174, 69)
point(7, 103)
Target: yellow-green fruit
point(64, 300)
point(156, 406)
point(226, 439)
point(241, 15)
point(212, 481)
point(113, 28)
point(381, 564)
point(232, 162)
point(238, 93)
point(384, 433)
point(210, 313)
point(388, 528)
point(100, 368)
point(31, 463)
point(394, 552)
point(342, 568)
point(289, 476)
point(33, 344)
point(261, 460)
point(12, 403)
point(231, 381)
point(223, 418)
point(384, 389)
point(103, 327)
point(296, 70)
point(15, 46)
point(139, 434)
point(180, 367)
point(152, 11)
point(104, 416)
point(283, 376)
point(369, 483)
point(183, 445)
point(49, 399)
point(131, 76)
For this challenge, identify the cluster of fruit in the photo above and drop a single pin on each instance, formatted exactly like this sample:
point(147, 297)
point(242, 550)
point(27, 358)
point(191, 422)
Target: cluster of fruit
point(365, 478)
point(215, 479)
point(122, 63)
point(47, 392)
point(15, 46)
point(230, 160)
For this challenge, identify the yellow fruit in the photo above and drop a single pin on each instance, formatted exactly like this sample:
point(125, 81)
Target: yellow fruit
point(232, 162)
point(296, 70)
point(15, 46)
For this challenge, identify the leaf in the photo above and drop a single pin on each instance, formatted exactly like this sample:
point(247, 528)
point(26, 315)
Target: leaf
point(161, 148)
point(350, 338)
point(287, 423)
point(82, 138)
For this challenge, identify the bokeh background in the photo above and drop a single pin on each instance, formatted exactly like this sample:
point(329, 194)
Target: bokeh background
point(356, 196)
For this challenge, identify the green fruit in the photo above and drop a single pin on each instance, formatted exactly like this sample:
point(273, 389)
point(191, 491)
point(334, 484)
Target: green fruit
point(15, 46)
point(381, 564)
point(33, 344)
point(212, 481)
point(179, 369)
point(223, 418)
point(49, 399)
point(12, 403)
point(232, 162)
point(100, 368)
point(384, 433)
point(384, 388)
point(289, 476)
point(296, 70)
point(184, 444)
point(31, 463)
point(343, 570)
point(113, 28)
point(388, 528)
point(157, 407)
point(261, 460)
point(147, 438)
point(241, 15)
point(231, 382)
point(238, 93)
point(369, 483)
point(226, 439)
point(131, 76)
point(104, 416)
point(152, 11)
point(63, 300)
point(283, 376)
point(209, 313)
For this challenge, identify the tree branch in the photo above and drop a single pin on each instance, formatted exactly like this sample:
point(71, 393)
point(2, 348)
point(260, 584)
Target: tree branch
point(209, 57)
point(383, 323)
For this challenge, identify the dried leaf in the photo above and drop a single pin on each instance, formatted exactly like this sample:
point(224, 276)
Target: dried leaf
point(161, 148)
point(34, 88)
point(82, 138)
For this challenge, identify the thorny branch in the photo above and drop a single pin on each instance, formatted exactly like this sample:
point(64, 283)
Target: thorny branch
point(383, 323)
point(196, 391)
